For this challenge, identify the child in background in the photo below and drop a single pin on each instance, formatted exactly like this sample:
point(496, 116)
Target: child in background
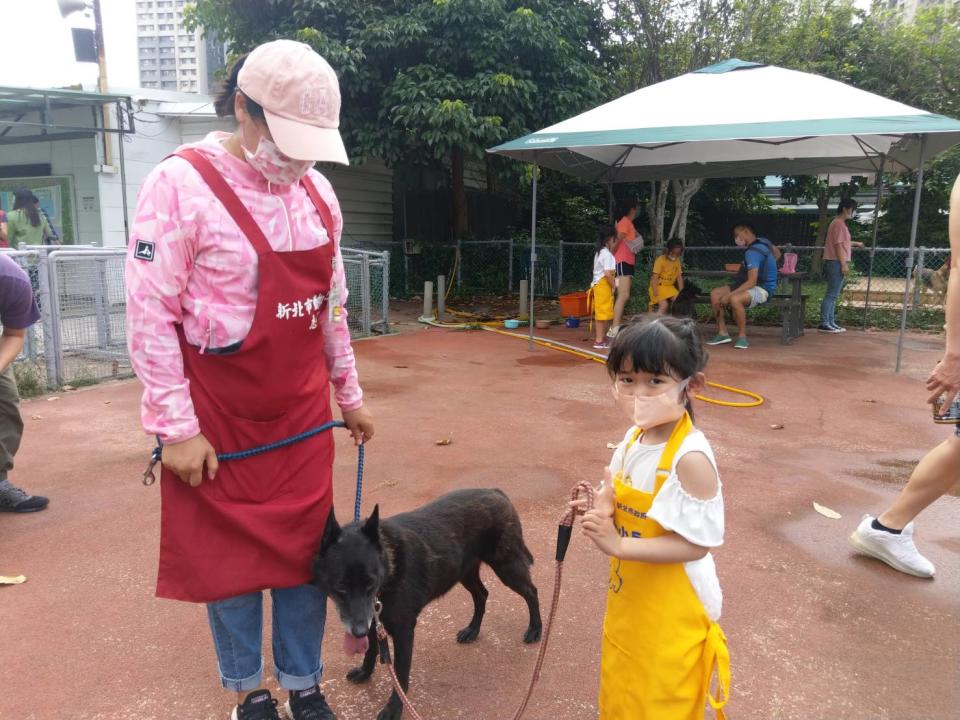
point(657, 518)
point(600, 294)
point(666, 280)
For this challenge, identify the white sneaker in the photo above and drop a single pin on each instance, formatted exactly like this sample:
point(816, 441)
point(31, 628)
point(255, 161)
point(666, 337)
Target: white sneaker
point(897, 551)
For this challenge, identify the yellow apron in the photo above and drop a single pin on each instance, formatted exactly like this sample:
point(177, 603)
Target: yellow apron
point(660, 647)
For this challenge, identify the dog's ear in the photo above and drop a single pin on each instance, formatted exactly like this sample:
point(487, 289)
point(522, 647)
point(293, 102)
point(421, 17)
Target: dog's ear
point(331, 532)
point(371, 528)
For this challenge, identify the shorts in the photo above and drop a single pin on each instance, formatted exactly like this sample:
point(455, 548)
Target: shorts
point(758, 296)
point(625, 269)
point(601, 297)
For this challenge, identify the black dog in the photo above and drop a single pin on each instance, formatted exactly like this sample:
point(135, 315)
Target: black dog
point(684, 304)
point(408, 560)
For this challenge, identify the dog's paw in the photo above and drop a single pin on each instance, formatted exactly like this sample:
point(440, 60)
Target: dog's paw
point(390, 712)
point(358, 675)
point(532, 635)
point(468, 635)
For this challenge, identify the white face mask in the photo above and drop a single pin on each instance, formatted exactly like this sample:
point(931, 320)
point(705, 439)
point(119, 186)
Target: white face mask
point(652, 411)
point(276, 167)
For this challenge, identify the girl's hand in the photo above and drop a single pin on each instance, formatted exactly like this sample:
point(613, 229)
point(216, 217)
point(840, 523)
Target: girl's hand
point(603, 499)
point(360, 424)
point(600, 528)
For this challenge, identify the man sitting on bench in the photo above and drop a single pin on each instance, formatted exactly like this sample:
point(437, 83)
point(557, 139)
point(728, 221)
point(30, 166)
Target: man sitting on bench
point(755, 283)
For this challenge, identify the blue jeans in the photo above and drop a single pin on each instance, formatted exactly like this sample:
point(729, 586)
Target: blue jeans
point(299, 614)
point(828, 308)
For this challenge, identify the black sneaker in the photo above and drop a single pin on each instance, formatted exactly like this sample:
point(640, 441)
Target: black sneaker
point(309, 704)
point(258, 705)
point(13, 499)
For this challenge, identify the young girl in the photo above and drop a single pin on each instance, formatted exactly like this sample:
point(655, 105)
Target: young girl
point(601, 288)
point(666, 280)
point(657, 516)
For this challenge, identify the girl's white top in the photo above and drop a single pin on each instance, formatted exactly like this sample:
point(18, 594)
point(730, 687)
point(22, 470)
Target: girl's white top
point(699, 521)
point(602, 262)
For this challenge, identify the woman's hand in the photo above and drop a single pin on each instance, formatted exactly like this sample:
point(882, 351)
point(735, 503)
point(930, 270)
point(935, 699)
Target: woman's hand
point(360, 424)
point(186, 459)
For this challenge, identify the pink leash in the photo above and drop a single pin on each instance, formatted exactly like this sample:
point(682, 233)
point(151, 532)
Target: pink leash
point(581, 491)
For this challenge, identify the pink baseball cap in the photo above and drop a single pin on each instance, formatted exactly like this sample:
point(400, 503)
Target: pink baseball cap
point(300, 96)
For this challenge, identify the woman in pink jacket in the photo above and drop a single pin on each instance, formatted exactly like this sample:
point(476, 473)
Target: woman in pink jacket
point(237, 328)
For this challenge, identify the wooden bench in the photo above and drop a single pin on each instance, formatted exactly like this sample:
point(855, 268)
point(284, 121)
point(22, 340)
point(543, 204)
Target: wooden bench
point(792, 314)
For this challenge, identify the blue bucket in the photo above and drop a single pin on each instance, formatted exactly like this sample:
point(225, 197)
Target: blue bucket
point(572, 322)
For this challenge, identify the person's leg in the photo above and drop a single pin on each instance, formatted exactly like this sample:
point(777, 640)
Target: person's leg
point(236, 625)
point(828, 309)
point(600, 334)
point(936, 473)
point(662, 307)
point(716, 296)
point(739, 302)
point(623, 295)
point(12, 498)
point(889, 537)
point(299, 616)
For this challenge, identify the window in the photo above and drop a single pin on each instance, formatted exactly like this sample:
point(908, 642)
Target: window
point(169, 85)
point(164, 27)
point(168, 61)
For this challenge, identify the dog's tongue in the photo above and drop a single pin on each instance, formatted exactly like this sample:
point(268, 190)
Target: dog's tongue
point(353, 645)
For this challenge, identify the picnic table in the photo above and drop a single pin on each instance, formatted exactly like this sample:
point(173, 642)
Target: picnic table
point(793, 304)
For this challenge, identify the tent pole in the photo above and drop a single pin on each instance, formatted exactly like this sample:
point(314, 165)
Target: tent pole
point(533, 252)
point(913, 245)
point(610, 217)
point(873, 247)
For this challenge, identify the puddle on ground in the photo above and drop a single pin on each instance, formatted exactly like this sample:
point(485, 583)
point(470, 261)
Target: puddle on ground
point(894, 472)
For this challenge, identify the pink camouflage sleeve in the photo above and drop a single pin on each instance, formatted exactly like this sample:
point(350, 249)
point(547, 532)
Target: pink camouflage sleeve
point(154, 288)
point(341, 364)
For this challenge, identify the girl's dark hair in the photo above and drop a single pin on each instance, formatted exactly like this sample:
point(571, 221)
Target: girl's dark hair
point(604, 233)
point(660, 346)
point(845, 204)
point(626, 206)
point(23, 200)
point(227, 93)
point(674, 243)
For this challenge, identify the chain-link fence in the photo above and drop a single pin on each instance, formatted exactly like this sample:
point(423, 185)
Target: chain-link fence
point(873, 293)
point(81, 336)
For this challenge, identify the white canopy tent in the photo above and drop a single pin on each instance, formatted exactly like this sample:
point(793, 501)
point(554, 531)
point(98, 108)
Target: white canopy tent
point(740, 119)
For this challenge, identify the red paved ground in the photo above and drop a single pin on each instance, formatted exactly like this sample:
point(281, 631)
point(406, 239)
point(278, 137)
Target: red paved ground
point(815, 632)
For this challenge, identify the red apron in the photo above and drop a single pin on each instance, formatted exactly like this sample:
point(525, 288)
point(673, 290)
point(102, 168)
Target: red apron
point(258, 523)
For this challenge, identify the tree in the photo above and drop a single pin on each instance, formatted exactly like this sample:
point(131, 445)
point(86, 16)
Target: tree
point(437, 81)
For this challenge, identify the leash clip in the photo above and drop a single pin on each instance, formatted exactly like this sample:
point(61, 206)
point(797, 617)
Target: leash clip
point(383, 644)
point(149, 478)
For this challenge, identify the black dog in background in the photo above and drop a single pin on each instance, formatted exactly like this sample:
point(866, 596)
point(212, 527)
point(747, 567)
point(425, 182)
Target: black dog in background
point(408, 560)
point(684, 304)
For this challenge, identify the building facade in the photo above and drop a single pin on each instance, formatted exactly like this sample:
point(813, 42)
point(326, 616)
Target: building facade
point(171, 57)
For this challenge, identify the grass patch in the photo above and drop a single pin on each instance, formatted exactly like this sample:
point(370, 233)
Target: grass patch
point(31, 379)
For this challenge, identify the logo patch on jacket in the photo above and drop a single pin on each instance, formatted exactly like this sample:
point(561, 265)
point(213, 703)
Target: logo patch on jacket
point(144, 250)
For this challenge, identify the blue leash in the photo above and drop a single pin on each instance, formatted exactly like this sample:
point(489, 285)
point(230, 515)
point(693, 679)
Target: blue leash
point(149, 478)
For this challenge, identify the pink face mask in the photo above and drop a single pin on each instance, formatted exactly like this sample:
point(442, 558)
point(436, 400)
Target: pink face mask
point(652, 411)
point(276, 167)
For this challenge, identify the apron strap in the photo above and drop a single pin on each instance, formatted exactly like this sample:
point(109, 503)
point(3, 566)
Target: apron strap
point(225, 194)
point(717, 657)
point(326, 217)
point(679, 434)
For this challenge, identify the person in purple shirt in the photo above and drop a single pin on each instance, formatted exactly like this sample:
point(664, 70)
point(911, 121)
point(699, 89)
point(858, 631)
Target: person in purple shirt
point(18, 311)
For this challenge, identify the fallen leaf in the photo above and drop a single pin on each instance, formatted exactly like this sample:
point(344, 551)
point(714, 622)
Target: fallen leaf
point(445, 441)
point(402, 367)
point(870, 401)
point(107, 402)
point(67, 388)
point(12, 579)
point(827, 512)
point(776, 426)
point(51, 399)
point(387, 484)
point(612, 446)
point(36, 417)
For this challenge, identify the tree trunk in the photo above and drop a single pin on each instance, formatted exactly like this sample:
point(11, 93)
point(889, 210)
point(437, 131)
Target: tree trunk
point(459, 194)
point(659, 191)
point(823, 205)
point(683, 192)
